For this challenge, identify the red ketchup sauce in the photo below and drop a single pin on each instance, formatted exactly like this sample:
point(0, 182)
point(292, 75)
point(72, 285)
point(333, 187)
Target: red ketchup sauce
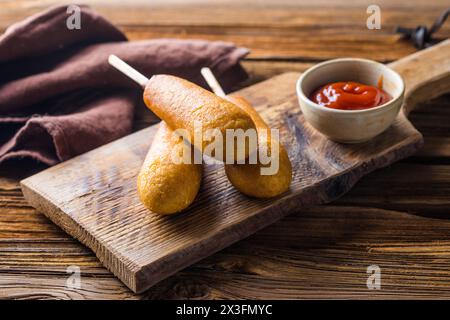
point(350, 96)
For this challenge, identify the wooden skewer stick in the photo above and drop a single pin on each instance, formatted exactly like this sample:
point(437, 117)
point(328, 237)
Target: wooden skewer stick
point(128, 70)
point(212, 82)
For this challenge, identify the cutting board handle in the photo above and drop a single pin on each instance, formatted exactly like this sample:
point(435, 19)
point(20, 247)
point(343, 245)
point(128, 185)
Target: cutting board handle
point(426, 74)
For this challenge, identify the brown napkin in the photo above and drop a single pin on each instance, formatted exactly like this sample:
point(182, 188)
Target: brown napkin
point(59, 97)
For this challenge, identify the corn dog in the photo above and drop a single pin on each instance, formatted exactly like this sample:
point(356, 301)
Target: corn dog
point(181, 104)
point(247, 178)
point(164, 186)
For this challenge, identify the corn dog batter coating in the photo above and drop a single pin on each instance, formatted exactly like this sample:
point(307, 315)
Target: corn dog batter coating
point(247, 178)
point(164, 186)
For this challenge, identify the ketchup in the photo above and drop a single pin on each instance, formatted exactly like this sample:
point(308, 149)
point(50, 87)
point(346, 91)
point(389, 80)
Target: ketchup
point(350, 96)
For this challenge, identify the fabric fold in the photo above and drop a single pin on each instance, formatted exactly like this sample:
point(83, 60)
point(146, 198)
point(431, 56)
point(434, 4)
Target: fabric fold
point(59, 97)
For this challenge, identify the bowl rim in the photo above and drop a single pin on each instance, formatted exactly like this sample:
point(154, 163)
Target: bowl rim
point(314, 68)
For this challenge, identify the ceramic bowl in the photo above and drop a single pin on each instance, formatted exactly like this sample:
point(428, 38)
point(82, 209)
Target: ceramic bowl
point(350, 126)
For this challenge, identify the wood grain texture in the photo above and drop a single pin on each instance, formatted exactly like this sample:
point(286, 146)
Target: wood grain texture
point(314, 252)
point(93, 196)
point(274, 30)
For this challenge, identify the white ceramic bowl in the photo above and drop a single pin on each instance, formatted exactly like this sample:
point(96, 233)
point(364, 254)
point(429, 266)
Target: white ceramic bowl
point(350, 126)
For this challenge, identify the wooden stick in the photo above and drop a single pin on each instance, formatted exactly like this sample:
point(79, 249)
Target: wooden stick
point(128, 70)
point(212, 82)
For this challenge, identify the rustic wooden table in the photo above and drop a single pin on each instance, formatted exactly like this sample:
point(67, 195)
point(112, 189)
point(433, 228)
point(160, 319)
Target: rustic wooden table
point(396, 218)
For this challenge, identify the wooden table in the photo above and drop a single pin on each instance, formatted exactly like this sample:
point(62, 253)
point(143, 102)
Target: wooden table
point(396, 218)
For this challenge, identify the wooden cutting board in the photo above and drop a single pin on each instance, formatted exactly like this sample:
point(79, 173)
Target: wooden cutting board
point(93, 196)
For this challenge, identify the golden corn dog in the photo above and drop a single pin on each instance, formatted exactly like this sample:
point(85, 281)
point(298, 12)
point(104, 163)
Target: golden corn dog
point(181, 103)
point(163, 186)
point(247, 178)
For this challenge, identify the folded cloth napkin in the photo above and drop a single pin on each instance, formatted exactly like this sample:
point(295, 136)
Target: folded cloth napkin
point(59, 97)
